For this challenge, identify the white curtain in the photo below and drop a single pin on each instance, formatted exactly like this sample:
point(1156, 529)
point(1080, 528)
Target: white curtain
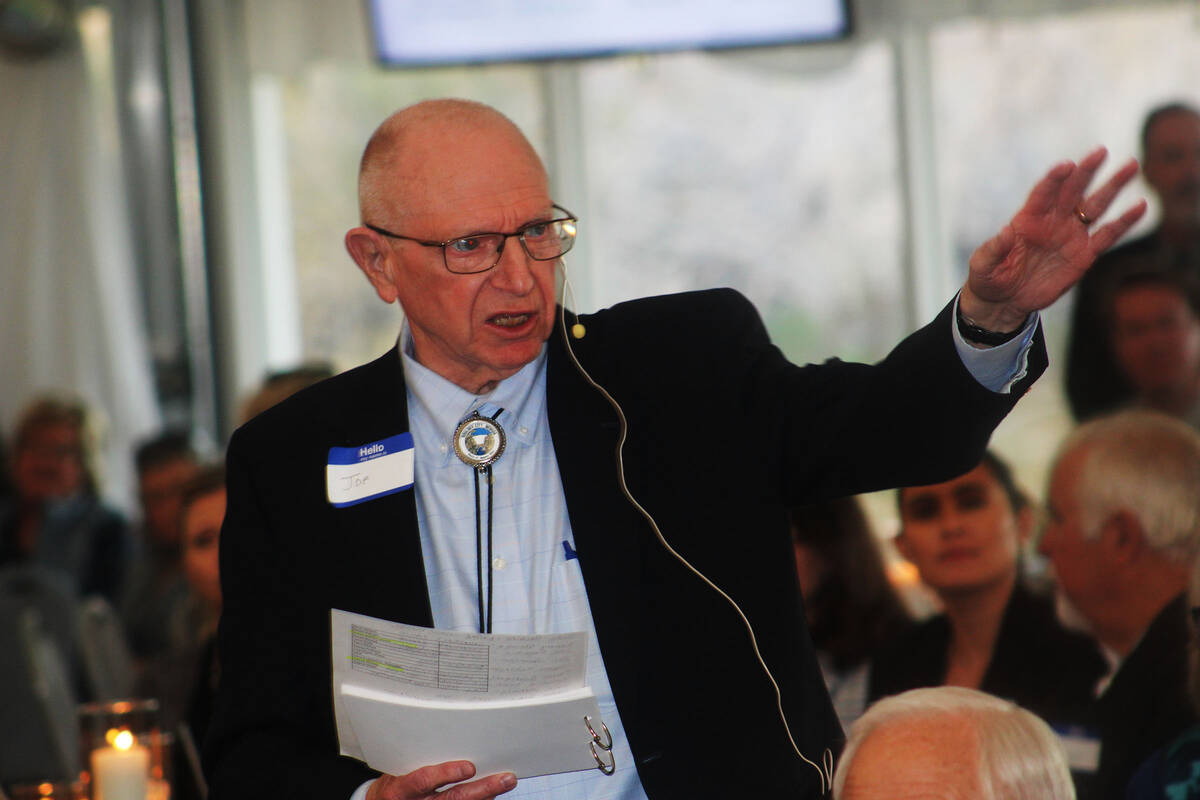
point(70, 320)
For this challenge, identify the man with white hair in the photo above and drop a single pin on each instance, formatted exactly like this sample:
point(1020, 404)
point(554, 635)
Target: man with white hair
point(1124, 525)
point(951, 742)
point(445, 187)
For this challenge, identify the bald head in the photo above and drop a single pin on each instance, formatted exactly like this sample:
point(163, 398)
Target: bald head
point(424, 156)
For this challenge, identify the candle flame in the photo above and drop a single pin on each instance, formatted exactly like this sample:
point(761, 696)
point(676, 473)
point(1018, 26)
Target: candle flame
point(123, 740)
point(45, 789)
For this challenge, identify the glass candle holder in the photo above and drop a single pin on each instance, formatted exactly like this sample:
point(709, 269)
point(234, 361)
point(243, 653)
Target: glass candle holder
point(123, 751)
point(47, 790)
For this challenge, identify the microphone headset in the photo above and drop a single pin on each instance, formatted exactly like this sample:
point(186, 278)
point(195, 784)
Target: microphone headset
point(578, 331)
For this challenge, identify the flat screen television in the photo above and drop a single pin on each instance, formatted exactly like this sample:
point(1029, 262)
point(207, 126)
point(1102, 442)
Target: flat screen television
point(442, 32)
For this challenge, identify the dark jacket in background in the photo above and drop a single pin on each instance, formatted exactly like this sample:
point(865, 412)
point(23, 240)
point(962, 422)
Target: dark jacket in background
point(1037, 664)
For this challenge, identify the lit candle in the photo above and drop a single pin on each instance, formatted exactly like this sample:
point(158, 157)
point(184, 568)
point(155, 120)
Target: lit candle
point(120, 772)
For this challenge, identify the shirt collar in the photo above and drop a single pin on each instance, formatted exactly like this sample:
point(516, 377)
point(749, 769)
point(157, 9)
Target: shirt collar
point(522, 396)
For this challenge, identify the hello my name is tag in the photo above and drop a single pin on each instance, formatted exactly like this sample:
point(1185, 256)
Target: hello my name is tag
point(357, 474)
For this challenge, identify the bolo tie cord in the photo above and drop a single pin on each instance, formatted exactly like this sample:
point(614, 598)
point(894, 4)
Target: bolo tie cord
point(485, 625)
point(485, 618)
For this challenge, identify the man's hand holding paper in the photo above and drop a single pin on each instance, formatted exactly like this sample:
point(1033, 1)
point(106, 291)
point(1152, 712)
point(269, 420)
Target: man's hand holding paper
point(429, 781)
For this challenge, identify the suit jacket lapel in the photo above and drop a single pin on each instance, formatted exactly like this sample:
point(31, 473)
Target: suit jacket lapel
point(385, 527)
point(609, 534)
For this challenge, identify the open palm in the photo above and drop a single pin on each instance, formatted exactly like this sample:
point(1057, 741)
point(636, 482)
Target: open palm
point(1048, 245)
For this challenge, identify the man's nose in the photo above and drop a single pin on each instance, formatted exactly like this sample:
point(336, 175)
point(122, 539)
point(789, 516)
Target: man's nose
point(514, 271)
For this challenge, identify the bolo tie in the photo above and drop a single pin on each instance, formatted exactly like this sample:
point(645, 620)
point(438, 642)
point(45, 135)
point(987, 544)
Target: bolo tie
point(479, 442)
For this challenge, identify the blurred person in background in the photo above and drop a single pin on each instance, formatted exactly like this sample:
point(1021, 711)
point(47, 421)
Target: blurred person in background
point(1155, 329)
point(156, 585)
point(952, 743)
point(202, 514)
point(278, 386)
point(1171, 165)
point(851, 608)
point(965, 537)
point(55, 517)
point(1122, 534)
point(184, 678)
point(6, 487)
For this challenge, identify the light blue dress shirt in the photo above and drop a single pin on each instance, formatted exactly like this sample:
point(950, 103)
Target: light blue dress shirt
point(536, 587)
point(996, 368)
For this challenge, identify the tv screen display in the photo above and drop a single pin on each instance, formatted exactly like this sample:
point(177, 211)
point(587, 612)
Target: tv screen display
point(439, 32)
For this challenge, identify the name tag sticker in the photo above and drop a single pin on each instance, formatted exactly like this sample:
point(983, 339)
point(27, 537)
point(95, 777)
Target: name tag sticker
point(1082, 748)
point(357, 474)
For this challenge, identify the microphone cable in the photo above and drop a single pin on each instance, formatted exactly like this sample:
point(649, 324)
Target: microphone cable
point(825, 769)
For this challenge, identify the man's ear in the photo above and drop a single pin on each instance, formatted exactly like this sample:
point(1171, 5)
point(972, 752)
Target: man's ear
point(370, 255)
point(1123, 537)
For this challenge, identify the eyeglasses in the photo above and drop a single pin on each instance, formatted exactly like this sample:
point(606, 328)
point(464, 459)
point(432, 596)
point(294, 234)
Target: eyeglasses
point(478, 252)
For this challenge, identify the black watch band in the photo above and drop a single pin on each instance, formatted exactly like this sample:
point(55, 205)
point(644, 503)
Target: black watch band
point(973, 333)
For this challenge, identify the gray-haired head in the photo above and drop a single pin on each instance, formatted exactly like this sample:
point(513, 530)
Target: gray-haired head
point(966, 743)
point(1146, 464)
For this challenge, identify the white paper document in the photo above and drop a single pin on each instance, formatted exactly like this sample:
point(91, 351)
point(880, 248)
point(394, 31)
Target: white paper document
point(407, 697)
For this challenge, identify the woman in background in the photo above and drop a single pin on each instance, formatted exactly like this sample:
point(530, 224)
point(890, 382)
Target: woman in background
point(965, 537)
point(55, 518)
point(184, 679)
point(851, 608)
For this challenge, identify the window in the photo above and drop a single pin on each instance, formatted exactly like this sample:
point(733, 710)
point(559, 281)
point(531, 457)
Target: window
point(1012, 97)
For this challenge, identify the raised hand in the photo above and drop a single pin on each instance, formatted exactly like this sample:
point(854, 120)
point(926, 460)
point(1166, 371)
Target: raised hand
point(1047, 246)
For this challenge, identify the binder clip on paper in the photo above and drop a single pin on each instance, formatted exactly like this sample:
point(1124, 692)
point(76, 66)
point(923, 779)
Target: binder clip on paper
point(607, 767)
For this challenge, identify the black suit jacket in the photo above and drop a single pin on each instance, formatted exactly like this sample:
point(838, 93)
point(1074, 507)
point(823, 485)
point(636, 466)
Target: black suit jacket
point(1146, 705)
point(724, 434)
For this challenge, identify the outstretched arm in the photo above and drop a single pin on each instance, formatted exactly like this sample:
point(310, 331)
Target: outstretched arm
point(1047, 246)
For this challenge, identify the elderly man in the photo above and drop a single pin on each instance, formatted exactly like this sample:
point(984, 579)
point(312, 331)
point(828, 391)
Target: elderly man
point(1124, 528)
point(722, 435)
point(952, 743)
point(1171, 165)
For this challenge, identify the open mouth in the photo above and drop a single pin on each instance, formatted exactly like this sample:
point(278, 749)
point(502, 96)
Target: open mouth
point(510, 320)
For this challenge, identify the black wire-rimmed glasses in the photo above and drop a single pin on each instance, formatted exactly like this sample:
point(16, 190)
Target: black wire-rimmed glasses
point(544, 240)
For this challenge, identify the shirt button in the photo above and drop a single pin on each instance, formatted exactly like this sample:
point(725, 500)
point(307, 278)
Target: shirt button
point(524, 430)
point(499, 563)
point(442, 447)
